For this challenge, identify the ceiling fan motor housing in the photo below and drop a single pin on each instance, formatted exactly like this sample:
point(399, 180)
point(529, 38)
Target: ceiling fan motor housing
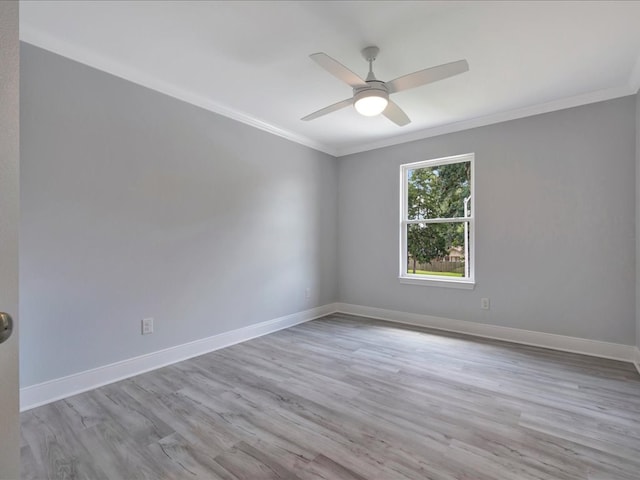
point(374, 88)
point(374, 94)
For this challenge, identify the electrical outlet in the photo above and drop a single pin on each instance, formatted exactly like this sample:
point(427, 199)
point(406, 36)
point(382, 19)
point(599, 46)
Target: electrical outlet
point(307, 293)
point(147, 326)
point(484, 303)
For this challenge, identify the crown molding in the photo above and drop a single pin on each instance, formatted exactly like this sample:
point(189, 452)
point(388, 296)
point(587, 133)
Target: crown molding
point(102, 63)
point(561, 104)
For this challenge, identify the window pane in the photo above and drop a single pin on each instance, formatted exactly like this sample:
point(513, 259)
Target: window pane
point(439, 249)
point(438, 192)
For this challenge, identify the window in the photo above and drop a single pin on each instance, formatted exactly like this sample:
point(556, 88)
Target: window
point(437, 222)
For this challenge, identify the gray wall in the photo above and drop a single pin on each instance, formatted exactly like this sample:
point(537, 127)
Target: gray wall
point(555, 244)
point(138, 205)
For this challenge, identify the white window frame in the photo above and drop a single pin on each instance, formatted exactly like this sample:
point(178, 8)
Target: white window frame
point(434, 280)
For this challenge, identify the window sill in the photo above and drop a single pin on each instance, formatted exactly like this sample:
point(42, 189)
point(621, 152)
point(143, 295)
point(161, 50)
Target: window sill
point(432, 282)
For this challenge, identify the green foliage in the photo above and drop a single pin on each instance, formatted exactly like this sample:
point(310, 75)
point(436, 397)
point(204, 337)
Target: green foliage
point(426, 242)
point(436, 192)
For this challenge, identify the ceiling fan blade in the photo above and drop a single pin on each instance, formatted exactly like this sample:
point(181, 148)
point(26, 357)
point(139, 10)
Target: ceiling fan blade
point(329, 109)
point(338, 70)
point(394, 113)
point(428, 75)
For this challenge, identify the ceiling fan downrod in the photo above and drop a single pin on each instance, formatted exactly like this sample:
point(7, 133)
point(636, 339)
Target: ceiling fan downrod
point(370, 54)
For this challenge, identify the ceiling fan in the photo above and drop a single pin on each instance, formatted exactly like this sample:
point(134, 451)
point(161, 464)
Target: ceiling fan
point(371, 96)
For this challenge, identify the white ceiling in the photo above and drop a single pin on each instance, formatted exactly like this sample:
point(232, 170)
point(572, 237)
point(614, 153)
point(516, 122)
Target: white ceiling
point(249, 60)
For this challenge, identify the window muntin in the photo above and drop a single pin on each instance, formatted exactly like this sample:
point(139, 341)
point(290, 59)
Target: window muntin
point(437, 221)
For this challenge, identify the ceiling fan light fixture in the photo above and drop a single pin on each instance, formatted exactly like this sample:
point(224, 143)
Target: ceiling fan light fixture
point(371, 102)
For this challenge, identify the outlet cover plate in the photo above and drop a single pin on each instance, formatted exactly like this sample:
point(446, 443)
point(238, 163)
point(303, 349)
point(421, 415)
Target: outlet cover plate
point(147, 326)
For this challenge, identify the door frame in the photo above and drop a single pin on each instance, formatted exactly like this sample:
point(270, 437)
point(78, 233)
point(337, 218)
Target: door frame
point(9, 226)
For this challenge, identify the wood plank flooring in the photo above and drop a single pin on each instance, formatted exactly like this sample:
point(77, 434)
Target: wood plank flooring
point(345, 398)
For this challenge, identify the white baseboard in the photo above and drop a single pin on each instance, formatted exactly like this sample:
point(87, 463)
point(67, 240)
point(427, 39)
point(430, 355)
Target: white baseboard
point(595, 348)
point(52, 390)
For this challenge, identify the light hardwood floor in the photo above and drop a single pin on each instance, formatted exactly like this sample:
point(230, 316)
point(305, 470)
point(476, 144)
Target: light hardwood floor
point(350, 398)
